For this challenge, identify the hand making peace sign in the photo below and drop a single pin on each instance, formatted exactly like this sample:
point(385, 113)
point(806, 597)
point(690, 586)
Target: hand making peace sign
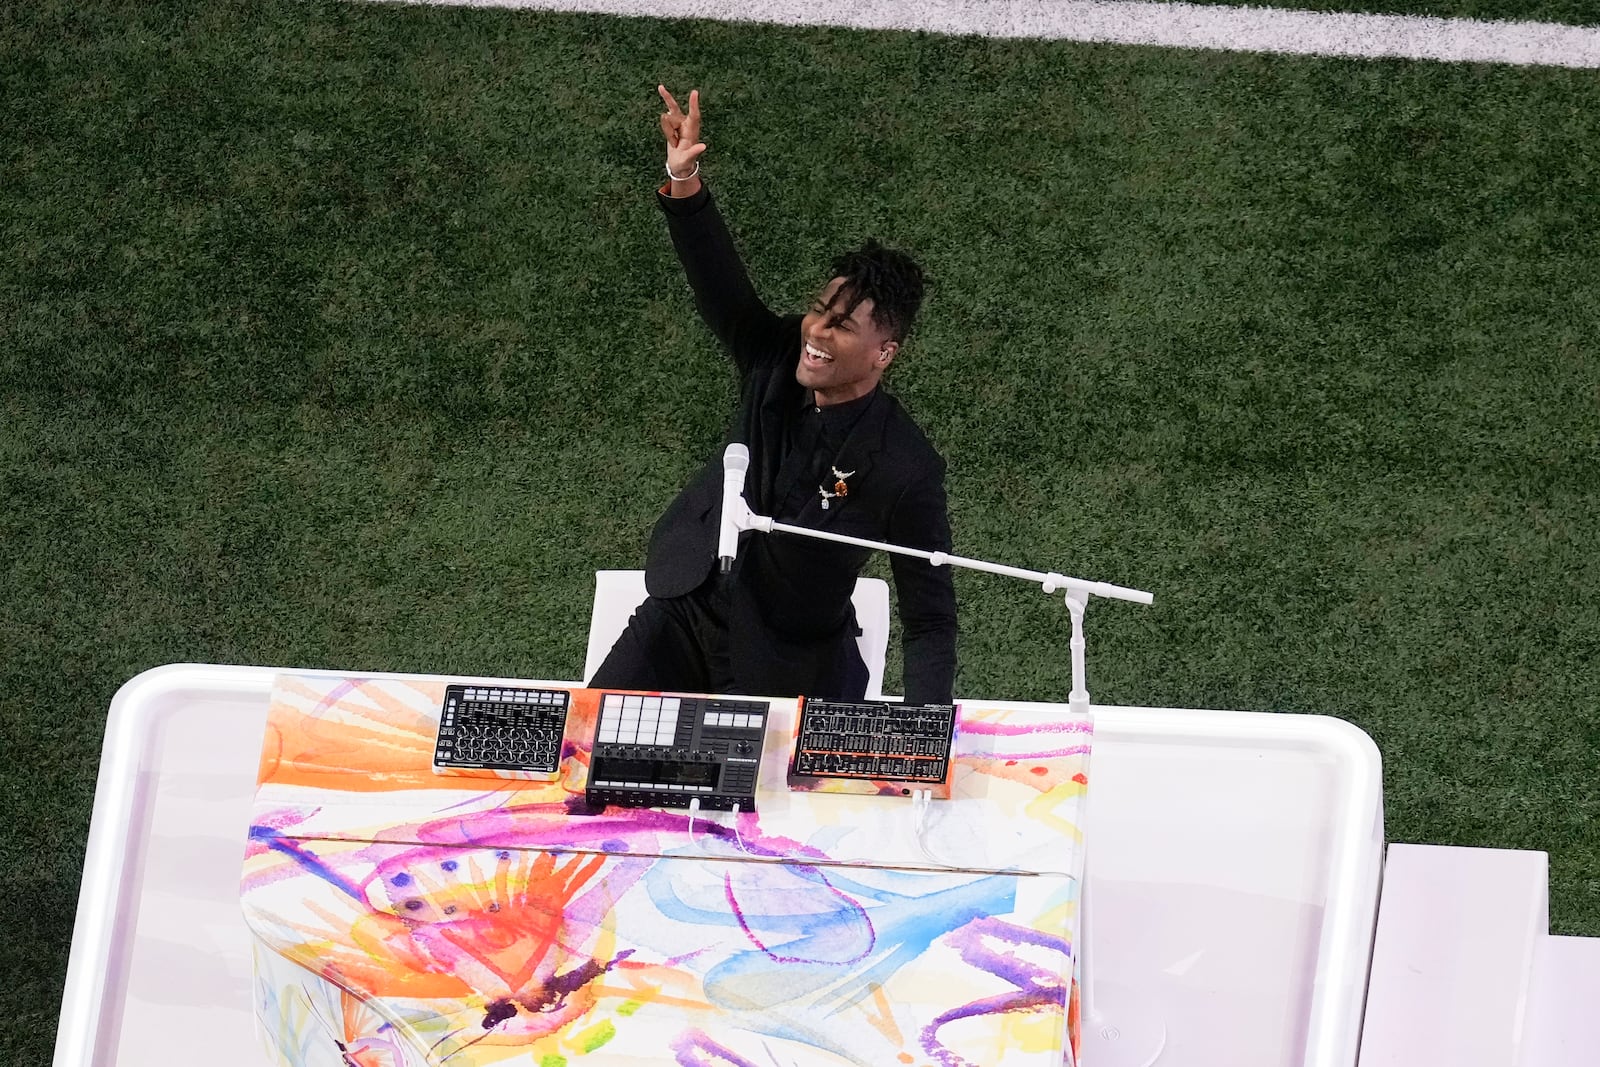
point(682, 131)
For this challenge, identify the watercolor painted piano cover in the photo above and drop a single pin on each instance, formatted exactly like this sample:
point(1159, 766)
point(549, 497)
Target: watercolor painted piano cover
point(409, 918)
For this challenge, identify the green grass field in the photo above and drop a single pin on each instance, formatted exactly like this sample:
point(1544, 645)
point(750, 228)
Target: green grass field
point(347, 336)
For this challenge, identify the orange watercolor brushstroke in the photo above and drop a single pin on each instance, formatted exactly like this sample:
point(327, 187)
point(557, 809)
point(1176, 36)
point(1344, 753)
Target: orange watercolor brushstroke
point(1040, 775)
point(381, 959)
point(507, 935)
point(529, 933)
point(1075, 1022)
point(358, 1022)
point(271, 753)
point(649, 982)
point(352, 747)
point(1043, 777)
point(884, 1022)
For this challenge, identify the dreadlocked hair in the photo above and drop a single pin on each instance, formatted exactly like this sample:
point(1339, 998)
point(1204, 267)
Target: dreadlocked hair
point(889, 278)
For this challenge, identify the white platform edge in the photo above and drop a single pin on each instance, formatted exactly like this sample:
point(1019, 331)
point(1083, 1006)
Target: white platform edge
point(105, 857)
point(1338, 999)
point(1561, 1029)
point(1444, 907)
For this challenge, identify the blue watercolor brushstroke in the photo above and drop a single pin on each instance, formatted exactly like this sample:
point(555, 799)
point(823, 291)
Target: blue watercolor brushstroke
point(906, 926)
point(899, 926)
point(278, 843)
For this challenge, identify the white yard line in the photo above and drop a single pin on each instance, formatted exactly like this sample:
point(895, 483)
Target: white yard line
point(1238, 29)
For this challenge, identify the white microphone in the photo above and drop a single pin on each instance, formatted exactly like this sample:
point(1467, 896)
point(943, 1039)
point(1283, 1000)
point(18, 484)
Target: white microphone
point(735, 461)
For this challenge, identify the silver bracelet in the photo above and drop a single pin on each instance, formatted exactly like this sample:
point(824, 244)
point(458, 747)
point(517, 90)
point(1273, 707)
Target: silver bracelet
point(686, 177)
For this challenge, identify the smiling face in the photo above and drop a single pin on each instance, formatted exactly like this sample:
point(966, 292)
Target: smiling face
point(842, 357)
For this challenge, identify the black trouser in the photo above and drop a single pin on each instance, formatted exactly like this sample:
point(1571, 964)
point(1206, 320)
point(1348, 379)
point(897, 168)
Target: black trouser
point(677, 645)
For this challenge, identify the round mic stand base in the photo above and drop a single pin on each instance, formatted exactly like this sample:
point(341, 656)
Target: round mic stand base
point(1121, 1030)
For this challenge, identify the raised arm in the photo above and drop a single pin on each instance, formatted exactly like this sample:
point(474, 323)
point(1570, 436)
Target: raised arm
point(684, 147)
point(723, 295)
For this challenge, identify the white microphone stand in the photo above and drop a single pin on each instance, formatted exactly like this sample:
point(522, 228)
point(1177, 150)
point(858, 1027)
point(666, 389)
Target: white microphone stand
point(1118, 1030)
point(1078, 590)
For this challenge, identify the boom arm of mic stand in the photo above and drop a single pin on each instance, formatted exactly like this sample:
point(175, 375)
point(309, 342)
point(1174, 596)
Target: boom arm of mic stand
point(1078, 591)
point(1050, 581)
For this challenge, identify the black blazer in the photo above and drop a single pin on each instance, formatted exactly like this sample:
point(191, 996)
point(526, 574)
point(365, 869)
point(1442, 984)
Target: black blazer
point(792, 627)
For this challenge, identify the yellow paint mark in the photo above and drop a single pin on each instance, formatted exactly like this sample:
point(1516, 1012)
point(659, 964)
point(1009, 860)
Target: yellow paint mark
point(1042, 808)
point(628, 1007)
point(1035, 1031)
point(1056, 918)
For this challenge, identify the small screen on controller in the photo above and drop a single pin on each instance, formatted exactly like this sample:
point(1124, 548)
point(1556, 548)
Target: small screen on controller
point(654, 772)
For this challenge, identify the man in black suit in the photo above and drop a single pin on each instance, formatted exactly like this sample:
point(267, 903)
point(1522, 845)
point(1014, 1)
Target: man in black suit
point(829, 449)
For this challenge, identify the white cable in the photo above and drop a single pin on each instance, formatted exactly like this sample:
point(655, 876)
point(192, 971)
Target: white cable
point(694, 809)
point(921, 801)
point(737, 839)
